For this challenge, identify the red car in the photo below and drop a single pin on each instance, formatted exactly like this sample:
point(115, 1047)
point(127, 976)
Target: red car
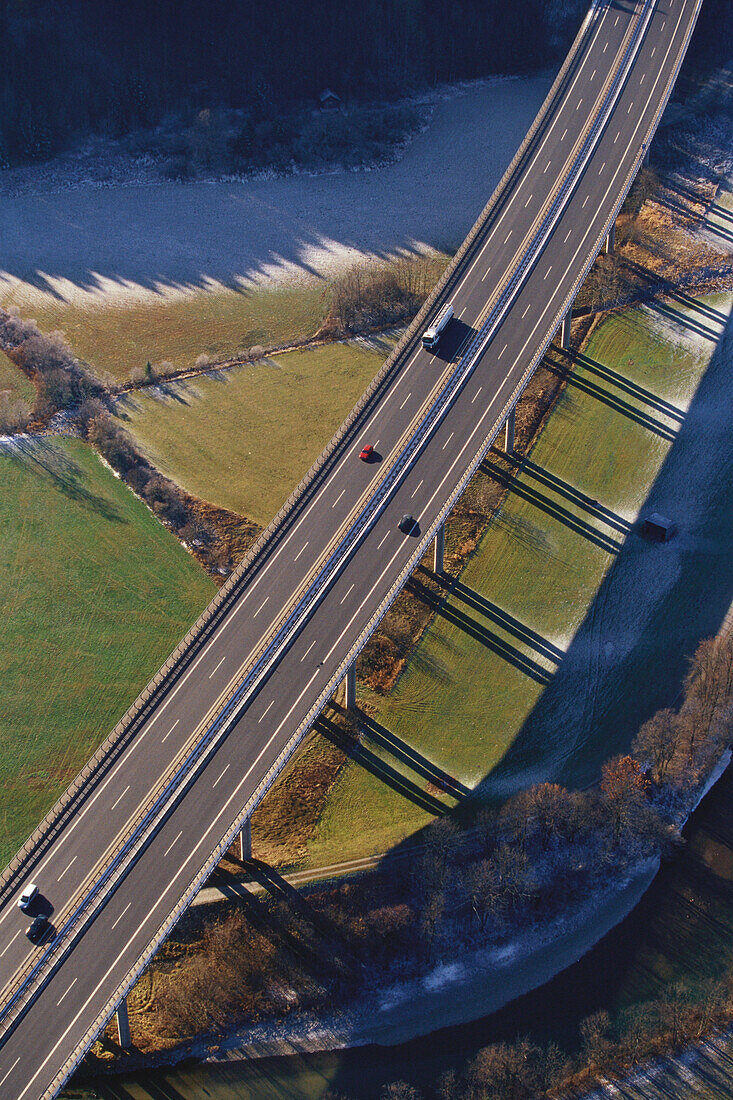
point(367, 453)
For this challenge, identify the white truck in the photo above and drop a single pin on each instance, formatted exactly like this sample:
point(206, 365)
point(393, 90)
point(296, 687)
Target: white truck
point(432, 334)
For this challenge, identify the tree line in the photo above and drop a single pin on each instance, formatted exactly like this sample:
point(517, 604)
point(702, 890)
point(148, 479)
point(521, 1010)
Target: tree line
point(98, 66)
point(484, 879)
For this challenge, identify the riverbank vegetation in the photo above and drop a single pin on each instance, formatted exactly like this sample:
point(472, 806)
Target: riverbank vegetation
point(482, 878)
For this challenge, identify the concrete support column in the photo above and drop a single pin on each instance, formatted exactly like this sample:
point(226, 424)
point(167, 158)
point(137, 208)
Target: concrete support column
point(245, 841)
point(509, 431)
point(565, 328)
point(350, 688)
point(610, 241)
point(439, 549)
point(123, 1025)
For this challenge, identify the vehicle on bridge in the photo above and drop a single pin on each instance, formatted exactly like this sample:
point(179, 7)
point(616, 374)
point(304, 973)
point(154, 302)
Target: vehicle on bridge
point(432, 334)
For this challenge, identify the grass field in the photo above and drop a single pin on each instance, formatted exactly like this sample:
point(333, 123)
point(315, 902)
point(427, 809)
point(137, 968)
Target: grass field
point(565, 630)
point(94, 594)
point(178, 327)
point(243, 438)
point(13, 382)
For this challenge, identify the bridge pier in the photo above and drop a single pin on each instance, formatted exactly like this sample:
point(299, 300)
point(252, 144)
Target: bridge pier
point(245, 841)
point(350, 688)
point(439, 549)
point(509, 431)
point(610, 242)
point(123, 1025)
point(565, 328)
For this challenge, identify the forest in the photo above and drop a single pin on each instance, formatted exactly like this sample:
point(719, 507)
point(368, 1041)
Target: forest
point(99, 66)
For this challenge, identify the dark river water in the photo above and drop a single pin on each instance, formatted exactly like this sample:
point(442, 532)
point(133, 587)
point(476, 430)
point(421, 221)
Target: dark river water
point(681, 931)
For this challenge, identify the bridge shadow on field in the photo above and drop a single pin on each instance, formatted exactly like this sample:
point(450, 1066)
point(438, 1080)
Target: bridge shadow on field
point(654, 606)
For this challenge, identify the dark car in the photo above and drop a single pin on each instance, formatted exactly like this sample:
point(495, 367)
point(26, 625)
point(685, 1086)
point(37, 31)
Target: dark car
point(408, 524)
point(38, 930)
point(367, 453)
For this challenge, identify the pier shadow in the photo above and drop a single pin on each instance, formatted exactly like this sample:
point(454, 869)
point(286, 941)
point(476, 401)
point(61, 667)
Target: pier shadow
point(552, 508)
point(482, 634)
point(575, 496)
point(622, 665)
point(323, 949)
point(408, 755)
point(633, 389)
point(560, 364)
point(381, 769)
point(459, 591)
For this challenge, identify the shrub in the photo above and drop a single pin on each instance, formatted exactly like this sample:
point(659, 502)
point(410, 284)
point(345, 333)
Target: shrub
point(14, 414)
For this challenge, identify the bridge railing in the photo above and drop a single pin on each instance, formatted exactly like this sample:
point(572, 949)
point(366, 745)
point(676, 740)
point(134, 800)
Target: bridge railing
point(125, 730)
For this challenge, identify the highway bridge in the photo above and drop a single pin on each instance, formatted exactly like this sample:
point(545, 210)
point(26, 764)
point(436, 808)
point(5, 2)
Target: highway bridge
point(126, 849)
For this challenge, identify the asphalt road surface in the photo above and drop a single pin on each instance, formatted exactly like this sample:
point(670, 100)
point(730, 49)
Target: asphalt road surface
point(34, 1052)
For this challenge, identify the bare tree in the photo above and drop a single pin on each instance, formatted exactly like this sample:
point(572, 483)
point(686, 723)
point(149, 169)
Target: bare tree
point(657, 742)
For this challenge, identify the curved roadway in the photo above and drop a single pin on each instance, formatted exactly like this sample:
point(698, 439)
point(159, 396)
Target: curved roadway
point(40, 1046)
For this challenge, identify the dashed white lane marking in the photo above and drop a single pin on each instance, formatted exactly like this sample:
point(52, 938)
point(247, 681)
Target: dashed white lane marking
point(170, 731)
point(506, 239)
point(478, 391)
point(224, 772)
point(69, 864)
point(121, 916)
point(526, 310)
point(67, 991)
point(586, 59)
point(585, 201)
point(579, 103)
point(221, 662)
point(501, 352)
point(564, 134)
point(547, 272)
point(593, 73)
point(310, 647)
point(301, 550)
point(3, 1079)
point(406, 400)
point(488, 269)
point(547, 166)
point(346, 594)
point(7, 945)
point(384, 537)
point(260, 607)
point(653, 52)
point(617, 19)
point(630, 107)
point(567, 236)
point(602, 169)
point(618, 135)
point(165, 853)
point(120, 797)
point(642, 79)
point(446, 442)
point(530, 197)
point(126, 946)
point(260, 719)
point(605, 47)
point(416, 487)
point(338, 498)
